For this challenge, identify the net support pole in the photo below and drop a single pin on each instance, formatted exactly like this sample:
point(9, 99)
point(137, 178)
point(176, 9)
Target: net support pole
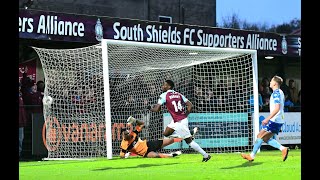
point(106, 91)
point(255, 97)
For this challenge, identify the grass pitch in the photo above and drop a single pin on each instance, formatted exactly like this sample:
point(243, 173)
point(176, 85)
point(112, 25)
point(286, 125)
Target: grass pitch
point(267, 165)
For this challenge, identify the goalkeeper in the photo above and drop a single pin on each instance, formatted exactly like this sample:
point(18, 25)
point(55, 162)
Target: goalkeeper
point(131, 143)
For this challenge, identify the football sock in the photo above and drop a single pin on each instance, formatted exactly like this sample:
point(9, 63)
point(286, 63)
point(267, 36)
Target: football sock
point(196, 147)
point(256, 147)
point(281, 147)
point(274, 143)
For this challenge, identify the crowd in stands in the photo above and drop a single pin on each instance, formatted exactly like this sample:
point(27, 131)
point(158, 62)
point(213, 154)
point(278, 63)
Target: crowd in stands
point(32, 93)
point(30, 101)
point(292, 95)
point(237, 96)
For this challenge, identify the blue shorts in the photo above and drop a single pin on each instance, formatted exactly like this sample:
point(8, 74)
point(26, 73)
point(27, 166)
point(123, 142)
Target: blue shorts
point(272, 127)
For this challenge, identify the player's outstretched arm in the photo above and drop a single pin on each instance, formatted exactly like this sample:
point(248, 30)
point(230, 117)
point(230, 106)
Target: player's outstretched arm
point(140, 123)
point(156, 108)
point(131, 120)
point(189, 107)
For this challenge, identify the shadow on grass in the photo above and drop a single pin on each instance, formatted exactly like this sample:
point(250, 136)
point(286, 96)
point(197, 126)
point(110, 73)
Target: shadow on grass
point(54, 162)
point(138, 166)
point(246, 164)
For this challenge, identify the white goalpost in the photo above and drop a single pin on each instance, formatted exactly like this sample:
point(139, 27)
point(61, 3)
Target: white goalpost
point(93, 90)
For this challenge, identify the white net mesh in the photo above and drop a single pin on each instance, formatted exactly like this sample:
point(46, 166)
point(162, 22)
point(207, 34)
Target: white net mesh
point(219, 84)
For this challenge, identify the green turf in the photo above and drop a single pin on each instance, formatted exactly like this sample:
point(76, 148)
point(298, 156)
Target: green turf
point(267, 165)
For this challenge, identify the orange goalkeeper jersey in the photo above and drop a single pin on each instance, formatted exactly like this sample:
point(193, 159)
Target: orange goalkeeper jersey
point(134, 145)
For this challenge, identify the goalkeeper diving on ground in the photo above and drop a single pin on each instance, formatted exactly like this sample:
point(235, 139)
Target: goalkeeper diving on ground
point(131, 143)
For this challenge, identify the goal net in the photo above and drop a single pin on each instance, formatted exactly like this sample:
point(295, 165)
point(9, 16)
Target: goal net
point(95, 89)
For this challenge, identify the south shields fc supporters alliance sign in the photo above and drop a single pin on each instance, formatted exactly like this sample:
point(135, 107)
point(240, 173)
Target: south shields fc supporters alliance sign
point(91, 29)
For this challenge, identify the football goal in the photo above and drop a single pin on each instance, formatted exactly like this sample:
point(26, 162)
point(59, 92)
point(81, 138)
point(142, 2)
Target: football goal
point(91, 91)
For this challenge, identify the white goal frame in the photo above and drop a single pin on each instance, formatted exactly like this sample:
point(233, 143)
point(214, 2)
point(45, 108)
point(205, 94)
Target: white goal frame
point(104, 46)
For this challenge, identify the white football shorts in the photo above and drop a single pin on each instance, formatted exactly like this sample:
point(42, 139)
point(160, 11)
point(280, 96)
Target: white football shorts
point(181, 129)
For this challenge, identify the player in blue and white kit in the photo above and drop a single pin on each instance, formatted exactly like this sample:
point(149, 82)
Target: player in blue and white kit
point(273, 123)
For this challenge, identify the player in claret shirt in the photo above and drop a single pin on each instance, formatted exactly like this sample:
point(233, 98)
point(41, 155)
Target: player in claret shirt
point(176, 103)
point(131, 143)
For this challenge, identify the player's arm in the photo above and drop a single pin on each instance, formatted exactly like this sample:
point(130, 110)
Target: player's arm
point(156, 108)
point(189, 107)
point(188, 104)
point(274, 112)
point(122, 153)
point(161, 101)
point(140, 124)
point(276, 100)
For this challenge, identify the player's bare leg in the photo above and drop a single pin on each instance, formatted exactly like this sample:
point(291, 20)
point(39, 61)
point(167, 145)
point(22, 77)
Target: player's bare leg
point(162, 155)
point(168, 141)
point(266, 136)
point(168, 131)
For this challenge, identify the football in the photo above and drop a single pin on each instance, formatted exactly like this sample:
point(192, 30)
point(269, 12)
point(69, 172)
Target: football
point(47, 100)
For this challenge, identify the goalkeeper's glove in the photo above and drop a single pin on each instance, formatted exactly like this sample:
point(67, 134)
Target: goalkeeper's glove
point(131, 120)
point(127, 155)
